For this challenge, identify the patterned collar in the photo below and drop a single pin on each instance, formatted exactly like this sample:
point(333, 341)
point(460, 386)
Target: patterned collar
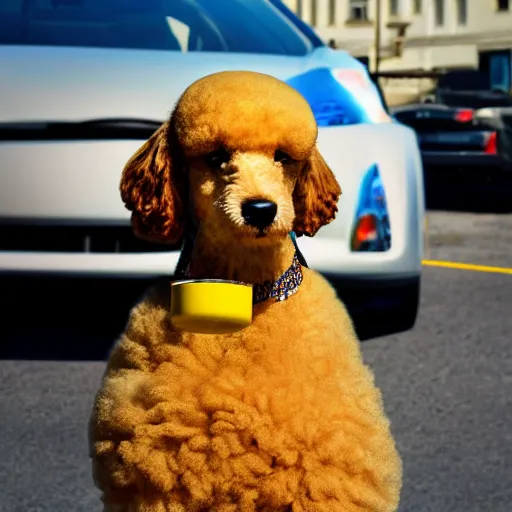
point(283, 287)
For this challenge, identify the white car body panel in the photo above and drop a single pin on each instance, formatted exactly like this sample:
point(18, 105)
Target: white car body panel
point(77, 182)
point(98, 82)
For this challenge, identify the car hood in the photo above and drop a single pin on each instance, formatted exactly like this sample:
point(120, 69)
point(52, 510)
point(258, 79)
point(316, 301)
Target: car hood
point(63, 83)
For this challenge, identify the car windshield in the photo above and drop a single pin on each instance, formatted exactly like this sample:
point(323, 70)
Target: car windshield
point(304, 28)
point(241, 26)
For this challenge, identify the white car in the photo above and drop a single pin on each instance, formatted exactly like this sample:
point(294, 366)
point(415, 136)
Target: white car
point(85, 83)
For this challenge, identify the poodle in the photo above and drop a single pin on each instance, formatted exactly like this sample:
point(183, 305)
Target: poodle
point(282, 415)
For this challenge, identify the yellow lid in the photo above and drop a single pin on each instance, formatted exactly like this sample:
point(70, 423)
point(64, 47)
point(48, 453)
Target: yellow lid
point(211, 306)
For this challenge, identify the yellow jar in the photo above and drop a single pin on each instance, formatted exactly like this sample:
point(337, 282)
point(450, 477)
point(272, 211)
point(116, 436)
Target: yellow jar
point(211, 306)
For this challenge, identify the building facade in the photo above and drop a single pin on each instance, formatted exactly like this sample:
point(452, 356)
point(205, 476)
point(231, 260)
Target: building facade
point(419, 34)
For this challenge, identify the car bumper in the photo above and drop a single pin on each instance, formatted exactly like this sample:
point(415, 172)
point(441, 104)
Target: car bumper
point(328, 256)
point(140, 265)
point(463, 161)
point(379, 308)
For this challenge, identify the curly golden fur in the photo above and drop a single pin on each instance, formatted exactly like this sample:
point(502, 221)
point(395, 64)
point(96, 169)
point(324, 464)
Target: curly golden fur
point(283, 415)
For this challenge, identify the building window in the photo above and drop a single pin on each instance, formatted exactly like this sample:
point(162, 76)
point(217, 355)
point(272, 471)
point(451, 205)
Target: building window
point(439, 12)
point(358, 10)
point(393, 7)
point(417, 6)
point(462, 12)
point(314, 12)
point(503, 5)
point(332, 12)
point(500, 71)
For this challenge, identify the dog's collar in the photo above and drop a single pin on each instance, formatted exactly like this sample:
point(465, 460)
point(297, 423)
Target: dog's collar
point(285, 286)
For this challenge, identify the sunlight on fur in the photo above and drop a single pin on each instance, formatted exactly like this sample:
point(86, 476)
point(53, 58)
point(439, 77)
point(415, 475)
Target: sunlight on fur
point(282, 416)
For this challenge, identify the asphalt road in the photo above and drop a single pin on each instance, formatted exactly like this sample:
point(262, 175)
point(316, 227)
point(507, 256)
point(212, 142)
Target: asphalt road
point(447, 386)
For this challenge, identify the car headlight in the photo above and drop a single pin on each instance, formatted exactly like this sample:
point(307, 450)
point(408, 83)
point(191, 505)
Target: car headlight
point(340, 97)
point(332, 103)
point(372, 230)
point(364, 90)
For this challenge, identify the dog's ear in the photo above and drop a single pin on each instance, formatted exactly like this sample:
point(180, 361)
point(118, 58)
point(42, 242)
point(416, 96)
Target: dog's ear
point(153, 187)
point(315, 196)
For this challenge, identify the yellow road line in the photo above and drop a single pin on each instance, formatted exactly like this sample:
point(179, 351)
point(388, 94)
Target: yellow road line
point(467, 266)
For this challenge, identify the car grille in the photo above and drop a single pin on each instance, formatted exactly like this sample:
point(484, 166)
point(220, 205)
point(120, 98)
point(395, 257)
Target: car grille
point(75, 239)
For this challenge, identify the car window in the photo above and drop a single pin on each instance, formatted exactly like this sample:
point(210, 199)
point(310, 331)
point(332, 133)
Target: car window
point(245, 26)
point(301, 25)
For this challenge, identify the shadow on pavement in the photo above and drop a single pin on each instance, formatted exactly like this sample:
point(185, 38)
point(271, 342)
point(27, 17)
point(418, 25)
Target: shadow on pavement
point(63, 319)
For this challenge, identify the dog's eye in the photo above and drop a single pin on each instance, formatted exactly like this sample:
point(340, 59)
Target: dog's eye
point(281, 157)
point(216, 158)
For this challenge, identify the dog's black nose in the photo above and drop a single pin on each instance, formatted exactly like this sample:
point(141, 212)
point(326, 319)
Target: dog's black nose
point(259, 213)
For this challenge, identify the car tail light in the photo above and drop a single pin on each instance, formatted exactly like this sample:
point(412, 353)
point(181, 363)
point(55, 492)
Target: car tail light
point(491, 145)
point(371, 231)
point(464, 115)
point(365, 231)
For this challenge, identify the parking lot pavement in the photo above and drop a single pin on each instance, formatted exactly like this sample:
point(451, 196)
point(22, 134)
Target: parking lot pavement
point(44, 465)
point(477, 238)
point(447, 388)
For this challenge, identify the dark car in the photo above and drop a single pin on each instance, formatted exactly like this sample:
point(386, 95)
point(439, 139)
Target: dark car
point(456, 140)
point(468, 88)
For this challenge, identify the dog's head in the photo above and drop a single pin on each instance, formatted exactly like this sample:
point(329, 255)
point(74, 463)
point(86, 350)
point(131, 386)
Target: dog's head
point(239, 154)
